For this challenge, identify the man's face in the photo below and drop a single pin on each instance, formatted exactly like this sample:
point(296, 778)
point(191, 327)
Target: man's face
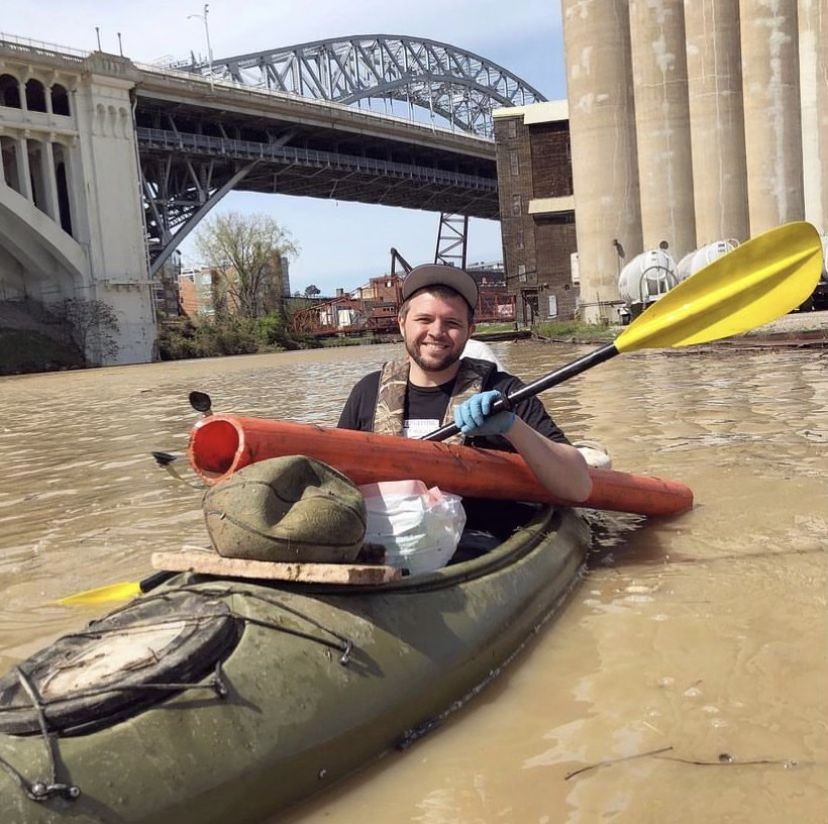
point(435, 330)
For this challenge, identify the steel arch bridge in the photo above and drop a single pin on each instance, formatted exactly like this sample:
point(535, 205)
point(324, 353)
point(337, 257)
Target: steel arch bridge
point(456, 85)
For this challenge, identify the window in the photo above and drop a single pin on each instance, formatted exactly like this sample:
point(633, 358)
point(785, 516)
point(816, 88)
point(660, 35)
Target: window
point(35, 96)
point(516, 204)
point(60, 100)
point(553, 306)
point(9, 91)
point(522, 272)
point(514, 163)
point(511, 128)
point(575, 269)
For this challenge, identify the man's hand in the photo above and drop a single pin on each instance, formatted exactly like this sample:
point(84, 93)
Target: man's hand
point(472, 416)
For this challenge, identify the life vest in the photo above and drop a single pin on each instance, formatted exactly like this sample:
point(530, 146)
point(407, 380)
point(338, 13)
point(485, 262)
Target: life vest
point(390, 408)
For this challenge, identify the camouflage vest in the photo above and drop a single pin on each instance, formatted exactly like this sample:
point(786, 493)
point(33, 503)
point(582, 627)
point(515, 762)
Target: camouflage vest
point(388, 416)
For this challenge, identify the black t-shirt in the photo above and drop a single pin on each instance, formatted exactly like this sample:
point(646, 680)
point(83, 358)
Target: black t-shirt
point(426, 406)
point(423, 413)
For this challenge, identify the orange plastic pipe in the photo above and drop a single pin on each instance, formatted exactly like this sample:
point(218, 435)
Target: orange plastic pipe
point(222, 444)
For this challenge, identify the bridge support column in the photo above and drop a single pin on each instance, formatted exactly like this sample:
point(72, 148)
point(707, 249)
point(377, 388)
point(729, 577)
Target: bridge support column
point(47, 169)
point(111, 213)
point(24, 175)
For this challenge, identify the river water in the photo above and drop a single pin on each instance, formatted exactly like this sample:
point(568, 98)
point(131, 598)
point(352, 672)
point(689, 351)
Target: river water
point(689, 672)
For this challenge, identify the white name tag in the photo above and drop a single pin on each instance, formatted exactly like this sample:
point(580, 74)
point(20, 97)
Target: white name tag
point(420, 427)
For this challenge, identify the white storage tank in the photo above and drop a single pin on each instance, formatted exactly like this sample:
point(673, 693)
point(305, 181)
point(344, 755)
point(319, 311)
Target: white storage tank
point(699, 258)
point(646, 277)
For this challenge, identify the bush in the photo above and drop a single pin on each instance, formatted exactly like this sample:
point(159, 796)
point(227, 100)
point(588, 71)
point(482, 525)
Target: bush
point(226, 336)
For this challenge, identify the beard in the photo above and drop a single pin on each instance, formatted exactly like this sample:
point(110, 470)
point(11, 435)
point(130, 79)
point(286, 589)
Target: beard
point(433, 361)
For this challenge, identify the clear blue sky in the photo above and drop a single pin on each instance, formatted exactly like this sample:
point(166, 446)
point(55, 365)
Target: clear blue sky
point(342, 244)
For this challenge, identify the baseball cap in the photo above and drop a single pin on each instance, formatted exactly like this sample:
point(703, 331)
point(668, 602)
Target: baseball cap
point(439, 274)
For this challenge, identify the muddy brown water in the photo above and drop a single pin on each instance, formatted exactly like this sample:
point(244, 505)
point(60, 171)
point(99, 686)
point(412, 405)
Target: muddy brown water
point(688, 676)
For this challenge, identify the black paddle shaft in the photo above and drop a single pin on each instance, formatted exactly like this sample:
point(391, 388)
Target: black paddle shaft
point(531, 389)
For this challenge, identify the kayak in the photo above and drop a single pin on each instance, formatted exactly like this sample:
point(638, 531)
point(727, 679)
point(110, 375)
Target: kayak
point(222, 444)
point(214, 700)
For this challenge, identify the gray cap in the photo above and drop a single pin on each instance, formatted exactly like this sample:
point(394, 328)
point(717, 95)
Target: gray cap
point(439, 274)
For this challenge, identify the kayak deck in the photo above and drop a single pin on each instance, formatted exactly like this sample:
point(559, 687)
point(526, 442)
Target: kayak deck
point(321, 680)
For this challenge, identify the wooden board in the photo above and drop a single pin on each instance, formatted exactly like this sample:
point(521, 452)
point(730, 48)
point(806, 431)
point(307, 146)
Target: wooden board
point(210, 563)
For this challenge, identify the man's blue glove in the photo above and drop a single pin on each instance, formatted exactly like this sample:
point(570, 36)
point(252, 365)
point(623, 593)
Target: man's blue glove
point(472, 416)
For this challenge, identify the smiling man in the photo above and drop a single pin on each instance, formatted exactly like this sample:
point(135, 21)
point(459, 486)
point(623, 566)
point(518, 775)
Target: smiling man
point(434, 385)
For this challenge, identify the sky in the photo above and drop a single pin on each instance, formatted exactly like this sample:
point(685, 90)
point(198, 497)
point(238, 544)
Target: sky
point(341, 244)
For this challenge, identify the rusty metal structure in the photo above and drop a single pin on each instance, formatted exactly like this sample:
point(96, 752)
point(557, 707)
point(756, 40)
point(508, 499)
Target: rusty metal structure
point(372, 310)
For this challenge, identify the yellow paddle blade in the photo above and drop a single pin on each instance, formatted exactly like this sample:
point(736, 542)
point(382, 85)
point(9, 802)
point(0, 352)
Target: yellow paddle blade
point(104, 595)
point(757, 282)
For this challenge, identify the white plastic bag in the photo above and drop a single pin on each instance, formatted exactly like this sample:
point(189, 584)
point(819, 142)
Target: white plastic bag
point(419, 527)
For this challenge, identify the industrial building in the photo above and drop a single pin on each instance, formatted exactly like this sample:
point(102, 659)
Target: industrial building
point(686, 124)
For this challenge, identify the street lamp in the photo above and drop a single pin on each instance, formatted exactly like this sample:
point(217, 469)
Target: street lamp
point(209, 47)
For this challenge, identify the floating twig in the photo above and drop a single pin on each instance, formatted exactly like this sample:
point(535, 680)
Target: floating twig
point(610, 761)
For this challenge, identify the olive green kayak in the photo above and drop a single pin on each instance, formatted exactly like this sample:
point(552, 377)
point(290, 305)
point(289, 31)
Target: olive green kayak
point(211, 700)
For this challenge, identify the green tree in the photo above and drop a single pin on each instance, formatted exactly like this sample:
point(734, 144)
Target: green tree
point(245, 253)
point(312, 291)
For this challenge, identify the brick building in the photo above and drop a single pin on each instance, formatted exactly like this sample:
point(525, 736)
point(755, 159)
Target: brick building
point(537, 211)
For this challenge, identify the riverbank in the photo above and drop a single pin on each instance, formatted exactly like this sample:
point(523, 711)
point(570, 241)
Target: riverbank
point(798, 329)
point(27, 351)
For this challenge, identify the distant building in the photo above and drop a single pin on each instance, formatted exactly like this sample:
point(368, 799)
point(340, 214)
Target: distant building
point(195, 288)
point(166, 289)
point(383, 289)
point(537, 211)
point(207, 291)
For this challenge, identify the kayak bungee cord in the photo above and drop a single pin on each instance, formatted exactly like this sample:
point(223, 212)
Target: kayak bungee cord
point(345, 645)
point(42, 790)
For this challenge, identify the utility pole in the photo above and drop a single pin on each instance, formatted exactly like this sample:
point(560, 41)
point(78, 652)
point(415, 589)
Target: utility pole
point(203, 17)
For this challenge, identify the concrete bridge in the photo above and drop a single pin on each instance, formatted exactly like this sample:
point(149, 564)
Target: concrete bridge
point(107, 165)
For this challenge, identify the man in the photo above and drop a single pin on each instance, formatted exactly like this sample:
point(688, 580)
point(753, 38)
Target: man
point(433, 385)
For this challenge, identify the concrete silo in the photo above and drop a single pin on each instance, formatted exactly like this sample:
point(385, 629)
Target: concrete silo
point(714, 78)
point(604, 164)
point(813, 73)
point(773, 133)
point(662, 121)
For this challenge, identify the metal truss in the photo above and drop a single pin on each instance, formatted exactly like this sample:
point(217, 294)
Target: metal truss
point(452, 240)
point(184, 175)
point(455, 85)
point(178, 193)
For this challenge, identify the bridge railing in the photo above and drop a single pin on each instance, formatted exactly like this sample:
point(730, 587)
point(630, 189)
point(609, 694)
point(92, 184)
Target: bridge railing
point(41, 47)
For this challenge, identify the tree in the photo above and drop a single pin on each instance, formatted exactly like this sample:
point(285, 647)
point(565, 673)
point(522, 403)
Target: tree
point(312, 291)
point(245, 253)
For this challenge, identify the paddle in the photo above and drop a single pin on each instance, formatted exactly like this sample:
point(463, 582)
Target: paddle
point(122, 591)
point(757, 282)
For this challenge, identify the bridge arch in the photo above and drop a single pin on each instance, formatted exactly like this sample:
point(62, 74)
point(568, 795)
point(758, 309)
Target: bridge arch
point(457, 85)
